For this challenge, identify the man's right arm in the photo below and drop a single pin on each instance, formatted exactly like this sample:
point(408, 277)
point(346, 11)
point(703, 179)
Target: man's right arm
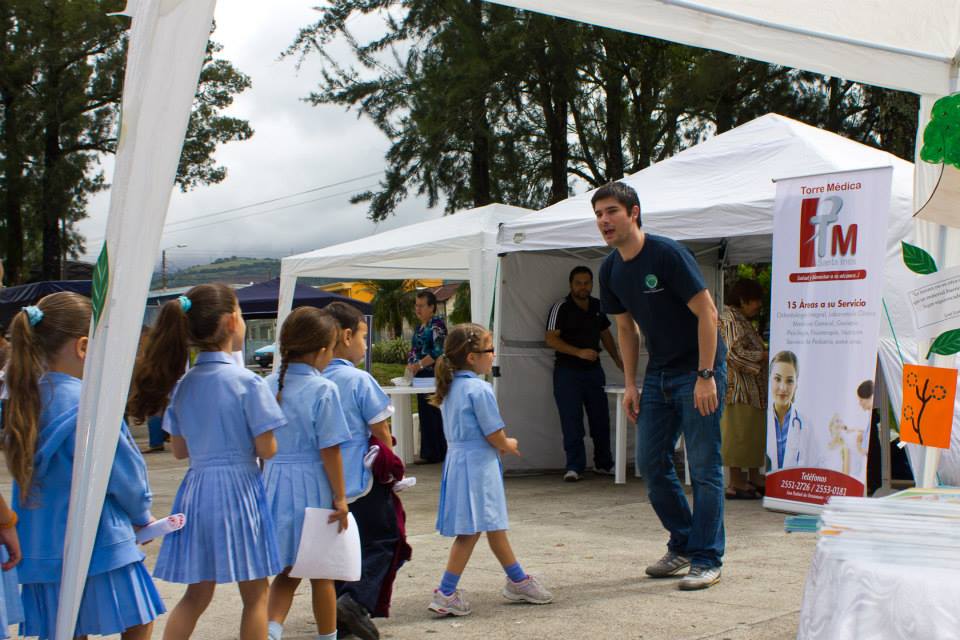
point(555, 342)
point(628, 334)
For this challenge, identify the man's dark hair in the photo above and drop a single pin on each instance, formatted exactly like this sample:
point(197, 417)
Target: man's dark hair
point(622, 193)
point(429, 297)
point(578, 270)
point(744, 290)
point(865, 390)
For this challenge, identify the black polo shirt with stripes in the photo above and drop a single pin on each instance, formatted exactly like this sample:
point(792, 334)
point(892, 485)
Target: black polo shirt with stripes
point(578, 327)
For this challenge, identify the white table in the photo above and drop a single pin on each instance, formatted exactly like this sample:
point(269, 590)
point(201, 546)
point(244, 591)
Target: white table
point(620, 437)
point(400, 398)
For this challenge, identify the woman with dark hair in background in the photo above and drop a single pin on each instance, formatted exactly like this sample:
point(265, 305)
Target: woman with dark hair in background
point(427, 346)
point(743, 423)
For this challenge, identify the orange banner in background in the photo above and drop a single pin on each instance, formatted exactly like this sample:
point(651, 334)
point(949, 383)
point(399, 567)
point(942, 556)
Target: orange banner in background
point(928, 397)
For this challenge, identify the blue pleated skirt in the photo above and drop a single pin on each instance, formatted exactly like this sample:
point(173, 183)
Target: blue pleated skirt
point(229, 535)
point(291, 487)
point(472, 498)
point(112, 601)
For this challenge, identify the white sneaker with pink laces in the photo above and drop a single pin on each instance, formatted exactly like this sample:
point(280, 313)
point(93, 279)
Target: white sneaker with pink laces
point(451, 605)
point(528, 590)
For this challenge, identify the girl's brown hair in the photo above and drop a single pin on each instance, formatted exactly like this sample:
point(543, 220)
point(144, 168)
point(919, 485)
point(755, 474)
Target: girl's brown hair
point(788, 357)
point(305, 331)
point(66, 316)
point(164, 357)
point(462, 340)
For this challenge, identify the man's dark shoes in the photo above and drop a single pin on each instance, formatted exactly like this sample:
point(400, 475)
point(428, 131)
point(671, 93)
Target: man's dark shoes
point(355, 619)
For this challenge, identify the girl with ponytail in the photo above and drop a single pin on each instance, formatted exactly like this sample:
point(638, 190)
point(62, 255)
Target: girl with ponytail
point(222, 417)
point(49, 346)
point(307, 470)
point(472, 499)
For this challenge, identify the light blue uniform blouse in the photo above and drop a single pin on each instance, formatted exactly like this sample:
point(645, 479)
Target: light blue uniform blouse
point(364, 403)
point(220, 408)
point(43, 519)
point(470, 409)
point(311, 403)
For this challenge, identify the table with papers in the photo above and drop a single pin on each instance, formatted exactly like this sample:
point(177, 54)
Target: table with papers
point(401, 398)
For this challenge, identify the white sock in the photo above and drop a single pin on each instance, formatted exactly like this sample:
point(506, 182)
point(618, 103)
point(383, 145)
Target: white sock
point(274, 631)
point(327, 636)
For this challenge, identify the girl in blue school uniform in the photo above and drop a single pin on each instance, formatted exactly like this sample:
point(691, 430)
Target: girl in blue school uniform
point(222, 417)
point(367, 410)
point(472, 498)
point(307, 470)
point(43, 378)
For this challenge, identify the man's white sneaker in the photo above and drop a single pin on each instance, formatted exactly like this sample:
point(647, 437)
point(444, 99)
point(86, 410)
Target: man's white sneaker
point(571, 476)
point(700, 578)
point(604, 472)
point(528, 590)
point(452, 605)
point(669, 565)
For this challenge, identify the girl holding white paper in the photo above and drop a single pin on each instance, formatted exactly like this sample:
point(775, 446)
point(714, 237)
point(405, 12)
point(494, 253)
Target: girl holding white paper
point(307, 470)
point(222, 417)
point(44, 380)
point(472, 497)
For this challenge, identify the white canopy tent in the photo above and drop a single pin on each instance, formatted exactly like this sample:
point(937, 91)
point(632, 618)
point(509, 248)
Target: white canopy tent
point(718, 198)
point(456, 247)
point(912, 46)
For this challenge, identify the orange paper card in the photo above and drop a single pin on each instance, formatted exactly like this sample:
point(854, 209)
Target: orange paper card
point(928, 397)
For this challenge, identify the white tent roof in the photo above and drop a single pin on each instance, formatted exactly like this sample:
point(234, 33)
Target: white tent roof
point(910, 46)
point(720, 188)
point(432, 249)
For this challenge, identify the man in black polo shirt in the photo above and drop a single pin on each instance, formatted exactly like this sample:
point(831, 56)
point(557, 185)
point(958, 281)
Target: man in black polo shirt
point(654, 282)
point(575, 328)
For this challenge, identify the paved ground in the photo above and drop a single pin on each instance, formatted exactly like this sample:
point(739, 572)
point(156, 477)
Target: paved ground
point(590, 542)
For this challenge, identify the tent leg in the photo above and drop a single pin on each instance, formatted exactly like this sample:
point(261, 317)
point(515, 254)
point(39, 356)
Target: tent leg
point(885, 484)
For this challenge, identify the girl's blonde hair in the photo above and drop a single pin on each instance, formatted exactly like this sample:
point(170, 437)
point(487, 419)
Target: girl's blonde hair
point(462, 340)
point(306, 330)
point(193, 320)
point(66, 316)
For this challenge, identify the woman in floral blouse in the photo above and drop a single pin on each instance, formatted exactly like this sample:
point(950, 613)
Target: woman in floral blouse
point(427, 347)
point(743, 423)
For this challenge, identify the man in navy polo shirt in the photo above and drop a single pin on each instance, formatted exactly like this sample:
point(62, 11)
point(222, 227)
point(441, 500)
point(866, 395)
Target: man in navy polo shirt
point(654, 282)
point(575, 328)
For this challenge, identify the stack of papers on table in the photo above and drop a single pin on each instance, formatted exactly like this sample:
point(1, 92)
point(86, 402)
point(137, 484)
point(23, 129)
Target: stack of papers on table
point(914, 528)
point(424, 382)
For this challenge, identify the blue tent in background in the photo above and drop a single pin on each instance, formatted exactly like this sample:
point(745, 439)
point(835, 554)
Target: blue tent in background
point(13, 298)
point(260, 300)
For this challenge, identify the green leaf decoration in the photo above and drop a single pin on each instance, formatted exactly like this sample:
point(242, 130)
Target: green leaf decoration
point(918, 260)
point(101, 282)
point(941, 136)
point(946, 344)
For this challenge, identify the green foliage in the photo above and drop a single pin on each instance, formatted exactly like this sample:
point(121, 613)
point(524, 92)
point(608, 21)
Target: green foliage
point(101, 285)
point(392, 303)
point(941, 137)
point(61, 80)
point(461, 312)
point(230, 270)
point(946, 344)
point(391, 351)
point(917, 259)
point(483, 103)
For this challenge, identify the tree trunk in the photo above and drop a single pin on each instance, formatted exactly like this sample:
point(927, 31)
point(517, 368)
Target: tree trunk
point(12, 201)
point(480, 185)
point(51, 199)
point(613, 88)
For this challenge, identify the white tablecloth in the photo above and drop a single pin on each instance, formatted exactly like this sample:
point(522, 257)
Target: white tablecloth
point(866, 600)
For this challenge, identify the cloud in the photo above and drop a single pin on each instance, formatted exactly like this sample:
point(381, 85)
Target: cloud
point(296, 147)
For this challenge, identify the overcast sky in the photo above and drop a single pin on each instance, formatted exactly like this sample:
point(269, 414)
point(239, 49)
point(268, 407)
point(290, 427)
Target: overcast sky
point(295, 147)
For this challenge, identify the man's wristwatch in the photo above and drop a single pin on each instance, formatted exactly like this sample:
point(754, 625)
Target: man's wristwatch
point(706, 374)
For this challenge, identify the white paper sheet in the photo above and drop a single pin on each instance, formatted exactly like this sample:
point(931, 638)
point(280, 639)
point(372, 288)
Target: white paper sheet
point(324, 552)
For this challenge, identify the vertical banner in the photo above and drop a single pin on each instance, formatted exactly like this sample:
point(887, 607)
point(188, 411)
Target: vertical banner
point(829, 244)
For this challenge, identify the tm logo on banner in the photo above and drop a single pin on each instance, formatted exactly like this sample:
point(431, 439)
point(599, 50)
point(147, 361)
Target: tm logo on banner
point(821, 229)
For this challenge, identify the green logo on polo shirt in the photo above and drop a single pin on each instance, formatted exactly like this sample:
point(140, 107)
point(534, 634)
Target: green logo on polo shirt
point(651, 281)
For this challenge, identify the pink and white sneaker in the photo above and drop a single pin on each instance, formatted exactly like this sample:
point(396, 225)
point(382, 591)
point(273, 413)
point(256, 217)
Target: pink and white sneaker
point(452, 605)
point(529, 590)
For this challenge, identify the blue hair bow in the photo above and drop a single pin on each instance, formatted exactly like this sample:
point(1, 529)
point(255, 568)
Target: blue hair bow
point(185, 303)
point(34, 315)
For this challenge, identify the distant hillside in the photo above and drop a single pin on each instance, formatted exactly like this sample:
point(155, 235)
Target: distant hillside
point(232, 270)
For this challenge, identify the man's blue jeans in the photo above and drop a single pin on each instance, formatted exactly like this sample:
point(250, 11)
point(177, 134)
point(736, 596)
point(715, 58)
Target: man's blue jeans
point(576, 390)
point(667, 412)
